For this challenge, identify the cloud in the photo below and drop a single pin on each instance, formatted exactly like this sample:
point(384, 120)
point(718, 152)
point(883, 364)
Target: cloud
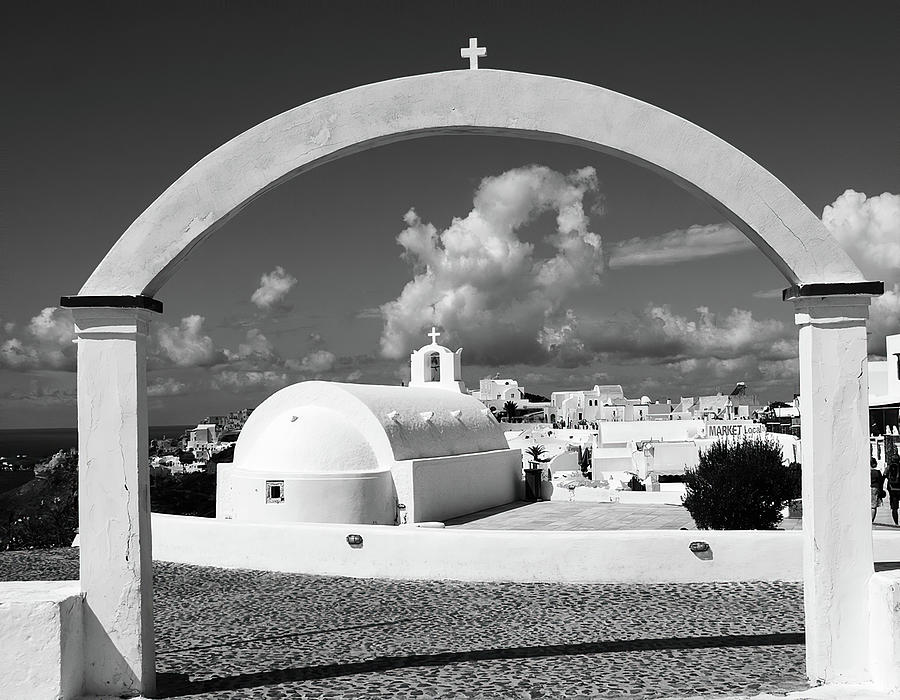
point(482, 284)
point(167, 386)
point(317, 362)
point(884, 319)
point(237, 382)
point(45, 343)
point(680, 245)
point(256, 351)
point(658, 334)
point(697, 376)
point(42, 395)
point(769, 293)
point(273, 288)
point(869, 230)
point(184, 345)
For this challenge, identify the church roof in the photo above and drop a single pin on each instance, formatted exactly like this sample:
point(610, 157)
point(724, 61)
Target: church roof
point(305, 439)
point(400, 423)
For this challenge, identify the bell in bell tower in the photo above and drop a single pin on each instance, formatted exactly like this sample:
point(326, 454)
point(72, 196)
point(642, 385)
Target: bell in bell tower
point(436, 366)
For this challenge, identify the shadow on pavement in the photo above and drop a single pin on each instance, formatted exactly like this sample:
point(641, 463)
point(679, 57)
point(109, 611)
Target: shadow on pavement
point(242, 642)
point(478, 515)
point(172, 685)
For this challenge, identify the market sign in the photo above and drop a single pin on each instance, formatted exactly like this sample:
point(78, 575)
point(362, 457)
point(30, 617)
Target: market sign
point(734, 429)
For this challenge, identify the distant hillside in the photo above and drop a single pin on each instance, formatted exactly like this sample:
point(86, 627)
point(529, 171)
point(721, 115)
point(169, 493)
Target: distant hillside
point(44, 511)
point(536, 398)
point(14, 478)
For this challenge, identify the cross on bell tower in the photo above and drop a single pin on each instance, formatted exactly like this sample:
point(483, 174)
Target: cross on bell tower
point(435, 367)
point(472, 52)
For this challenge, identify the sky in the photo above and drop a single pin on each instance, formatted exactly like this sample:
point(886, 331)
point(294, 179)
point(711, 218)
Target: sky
point(552, 264)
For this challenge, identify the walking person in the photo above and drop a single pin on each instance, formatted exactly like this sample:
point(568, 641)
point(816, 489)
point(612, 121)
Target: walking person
point(892, 477)
point(876, 482)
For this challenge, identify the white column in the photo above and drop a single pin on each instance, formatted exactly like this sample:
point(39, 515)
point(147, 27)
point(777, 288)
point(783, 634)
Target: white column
point(837, 531)
point(114, 501)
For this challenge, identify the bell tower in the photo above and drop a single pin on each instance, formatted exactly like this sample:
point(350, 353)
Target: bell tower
point(436, 367)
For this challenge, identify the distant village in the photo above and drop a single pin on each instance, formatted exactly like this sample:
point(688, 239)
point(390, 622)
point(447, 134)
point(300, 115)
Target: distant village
point(622, 436)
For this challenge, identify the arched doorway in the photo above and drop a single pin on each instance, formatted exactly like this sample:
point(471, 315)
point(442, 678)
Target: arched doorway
point(113, 308)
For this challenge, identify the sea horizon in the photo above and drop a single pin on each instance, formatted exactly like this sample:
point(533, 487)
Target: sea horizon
point(39, 443)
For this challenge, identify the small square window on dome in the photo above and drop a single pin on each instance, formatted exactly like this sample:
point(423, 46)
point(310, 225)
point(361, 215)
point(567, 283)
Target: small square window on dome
point(275, 492)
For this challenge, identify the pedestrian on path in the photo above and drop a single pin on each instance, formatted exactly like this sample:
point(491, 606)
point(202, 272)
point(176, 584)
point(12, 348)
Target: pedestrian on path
point(892, 476)
point(876, 482)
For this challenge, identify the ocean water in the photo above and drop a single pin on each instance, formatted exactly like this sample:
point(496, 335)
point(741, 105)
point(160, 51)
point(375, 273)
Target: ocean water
point(37, 443)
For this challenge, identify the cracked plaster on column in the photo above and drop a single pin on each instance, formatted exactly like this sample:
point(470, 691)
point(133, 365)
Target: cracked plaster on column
point(116, 574)
point(837, 531)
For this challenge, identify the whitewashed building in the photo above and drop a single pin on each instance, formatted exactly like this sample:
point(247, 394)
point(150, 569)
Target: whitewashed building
point(354, 453)
point(605, 402)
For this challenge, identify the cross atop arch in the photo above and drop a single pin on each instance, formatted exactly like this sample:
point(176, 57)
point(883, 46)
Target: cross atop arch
point(473, 52)
point(433, 335)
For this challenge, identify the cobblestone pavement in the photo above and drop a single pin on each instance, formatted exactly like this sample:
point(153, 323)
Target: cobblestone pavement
point(248, 634)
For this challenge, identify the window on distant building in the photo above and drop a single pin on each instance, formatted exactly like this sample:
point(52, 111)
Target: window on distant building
point(274, 492)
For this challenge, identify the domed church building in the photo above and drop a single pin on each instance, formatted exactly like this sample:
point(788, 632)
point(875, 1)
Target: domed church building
point(329, 452)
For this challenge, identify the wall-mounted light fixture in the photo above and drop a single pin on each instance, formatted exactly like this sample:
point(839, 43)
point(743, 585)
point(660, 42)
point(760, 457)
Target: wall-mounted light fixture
point(393, 415)
point(355, 541)
point(456, 413)
point(699, 547)
point(427, 415)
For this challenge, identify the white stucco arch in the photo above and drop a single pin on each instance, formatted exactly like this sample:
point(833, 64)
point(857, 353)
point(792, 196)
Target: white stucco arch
point(114, 307)
point(468, 101)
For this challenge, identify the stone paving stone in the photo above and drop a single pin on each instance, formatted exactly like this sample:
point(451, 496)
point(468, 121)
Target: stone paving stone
point(248, 634)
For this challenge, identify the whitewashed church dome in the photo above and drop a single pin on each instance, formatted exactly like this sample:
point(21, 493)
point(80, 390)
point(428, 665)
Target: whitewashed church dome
point(305, 439)
point(397, 423)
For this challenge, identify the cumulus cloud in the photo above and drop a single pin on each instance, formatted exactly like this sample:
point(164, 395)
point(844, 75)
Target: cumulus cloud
point(45, 343)
point(884, 318)
point(869, 229)
point(680, 245)
point(657, 333)
point(167, 386)
point(486, 286)
point(317, 362)
point(273, 288)
point(184, 345)
point(255, 351)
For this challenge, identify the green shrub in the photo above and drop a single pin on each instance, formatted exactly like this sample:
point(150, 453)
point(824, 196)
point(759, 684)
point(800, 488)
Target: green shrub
point(738, 486)
point(193, 493)
point(42, 513)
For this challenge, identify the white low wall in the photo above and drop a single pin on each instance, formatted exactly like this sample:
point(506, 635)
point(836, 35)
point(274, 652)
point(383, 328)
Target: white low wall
point(448, 487)
point(884, 630)
point(488, 555)
point(41, 650)
point(587, 494)
point(665, 430)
